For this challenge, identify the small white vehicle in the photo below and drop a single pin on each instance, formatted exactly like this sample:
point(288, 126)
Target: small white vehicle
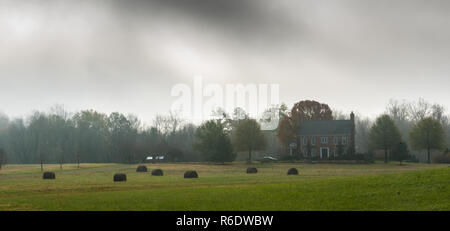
point(269, 159)
point(151, 159)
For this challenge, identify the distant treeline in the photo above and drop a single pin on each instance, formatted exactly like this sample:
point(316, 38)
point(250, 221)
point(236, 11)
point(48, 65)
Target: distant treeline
point(91, 136)
point(58, 136)
point(404, 114)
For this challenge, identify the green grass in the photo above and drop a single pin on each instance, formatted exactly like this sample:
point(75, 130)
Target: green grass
point(227, 187)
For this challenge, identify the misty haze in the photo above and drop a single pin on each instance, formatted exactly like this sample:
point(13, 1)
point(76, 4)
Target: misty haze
point(245, 98)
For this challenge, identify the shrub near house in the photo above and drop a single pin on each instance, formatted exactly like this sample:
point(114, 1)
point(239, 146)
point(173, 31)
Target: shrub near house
point(442, 158)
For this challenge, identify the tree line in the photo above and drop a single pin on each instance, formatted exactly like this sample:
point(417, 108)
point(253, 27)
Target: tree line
point(91, 136)
point(58, 136)
point(427, 134)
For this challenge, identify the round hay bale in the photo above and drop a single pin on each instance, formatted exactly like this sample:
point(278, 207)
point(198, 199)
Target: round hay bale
point(49, 175)
point(157, 172)
point(252, 170)
point(190, 174)
point(141, 168)
point(120, 177)
point(292, 171)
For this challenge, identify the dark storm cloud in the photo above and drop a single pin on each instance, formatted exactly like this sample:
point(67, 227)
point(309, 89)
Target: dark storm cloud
point(242, 18)
point(241, 24)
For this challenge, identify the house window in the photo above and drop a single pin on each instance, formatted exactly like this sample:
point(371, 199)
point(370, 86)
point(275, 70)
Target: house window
point(336, 140)
point(344, 140)
point(335, 152)
point(305, 140)
point(313, 152)
point(313, 140)
point(324, 140)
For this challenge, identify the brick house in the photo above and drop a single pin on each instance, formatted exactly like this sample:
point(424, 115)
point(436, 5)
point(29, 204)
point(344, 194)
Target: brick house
point(323, 137)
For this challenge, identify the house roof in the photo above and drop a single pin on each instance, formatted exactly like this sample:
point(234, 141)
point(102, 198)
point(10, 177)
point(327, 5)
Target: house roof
point(325, 127)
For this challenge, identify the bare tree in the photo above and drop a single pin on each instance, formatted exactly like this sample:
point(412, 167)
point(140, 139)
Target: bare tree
point(59, 110)
point(401, 114)
point(135, 123)
point(168, 124)
point(229, 121)
point(419, 110)
point(222, 116)
point(175, 120)
point(438, 113)
point(340, 115)
point(362, 127)
point(399, 111)
point(161, 124)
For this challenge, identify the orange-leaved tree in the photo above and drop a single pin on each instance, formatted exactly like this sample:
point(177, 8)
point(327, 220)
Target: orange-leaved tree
point(301, 111)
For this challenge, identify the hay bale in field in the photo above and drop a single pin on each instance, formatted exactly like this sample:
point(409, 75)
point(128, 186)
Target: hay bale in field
point(49, 175)
point(120, 177)
point(190, 174)
point(252, 170)
point(157, 172)
point(292, 171)
point(141, 168)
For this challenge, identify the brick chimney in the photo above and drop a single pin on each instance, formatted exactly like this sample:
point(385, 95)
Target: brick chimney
point(353, 135)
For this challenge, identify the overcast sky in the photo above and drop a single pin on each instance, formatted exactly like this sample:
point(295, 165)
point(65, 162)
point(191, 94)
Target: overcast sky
point(127, 55)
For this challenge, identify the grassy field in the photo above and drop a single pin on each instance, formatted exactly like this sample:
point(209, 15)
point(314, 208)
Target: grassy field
point(227, 187)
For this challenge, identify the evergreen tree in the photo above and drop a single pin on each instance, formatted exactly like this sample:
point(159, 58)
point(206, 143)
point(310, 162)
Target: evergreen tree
point(400, 152)
point(213, 142)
